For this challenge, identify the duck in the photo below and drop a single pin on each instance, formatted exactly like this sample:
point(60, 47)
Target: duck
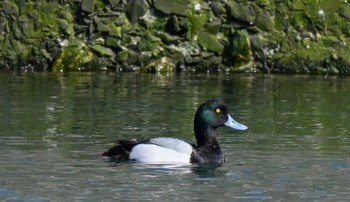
point(209, 116)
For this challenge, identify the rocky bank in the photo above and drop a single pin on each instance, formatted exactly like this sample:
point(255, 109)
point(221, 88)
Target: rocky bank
point(289, 36)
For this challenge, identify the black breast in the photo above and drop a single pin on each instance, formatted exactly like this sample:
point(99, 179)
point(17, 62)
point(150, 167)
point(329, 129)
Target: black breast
point(208, 155)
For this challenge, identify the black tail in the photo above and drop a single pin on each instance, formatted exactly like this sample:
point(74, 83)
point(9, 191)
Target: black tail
point(121, 150)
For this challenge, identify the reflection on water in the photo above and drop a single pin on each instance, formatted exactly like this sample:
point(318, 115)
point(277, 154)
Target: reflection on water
point(54, 128)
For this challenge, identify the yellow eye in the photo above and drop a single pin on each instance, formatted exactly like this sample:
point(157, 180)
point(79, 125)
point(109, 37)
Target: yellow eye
point(217, 110)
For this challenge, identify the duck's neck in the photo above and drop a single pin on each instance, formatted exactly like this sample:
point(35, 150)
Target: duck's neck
point(206, 137)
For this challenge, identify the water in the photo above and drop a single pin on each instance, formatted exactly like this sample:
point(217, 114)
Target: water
point(53, 129)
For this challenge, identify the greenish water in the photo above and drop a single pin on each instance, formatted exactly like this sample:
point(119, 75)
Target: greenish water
point(53, 129)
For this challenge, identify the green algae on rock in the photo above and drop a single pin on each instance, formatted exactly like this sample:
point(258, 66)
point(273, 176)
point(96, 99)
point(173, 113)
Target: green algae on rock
point(210, 42)
point(177, 7)
point(238, 51)
point(198, 36)
point(73, 56)
point(163, 65)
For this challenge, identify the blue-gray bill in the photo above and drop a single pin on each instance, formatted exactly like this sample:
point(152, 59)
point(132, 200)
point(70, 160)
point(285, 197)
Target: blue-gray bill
point(234, 124)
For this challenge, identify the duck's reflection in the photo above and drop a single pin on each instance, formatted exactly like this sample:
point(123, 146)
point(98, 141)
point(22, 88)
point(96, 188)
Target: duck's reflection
point(206, 170)
point(202, 170)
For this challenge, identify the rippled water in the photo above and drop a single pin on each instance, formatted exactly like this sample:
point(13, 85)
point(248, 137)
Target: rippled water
point(53, 129)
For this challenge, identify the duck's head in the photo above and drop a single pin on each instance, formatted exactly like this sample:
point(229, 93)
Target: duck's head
point(211, 115)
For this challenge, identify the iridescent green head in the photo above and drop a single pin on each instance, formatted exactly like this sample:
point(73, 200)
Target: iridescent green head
point(211, 115)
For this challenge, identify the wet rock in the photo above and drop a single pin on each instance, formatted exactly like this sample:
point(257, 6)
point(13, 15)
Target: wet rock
point(208, 36)
point(2, 29)
point(149, 42)
point(241, 12)
point(49, 8)
point(25, 26)
point(262, 49)
point(210, 42)
point(178, 7)
point(213, 26)
point(9, 8)
point(19, 48)
point(135, 9)
point(66, 26)
point(103, 51)
point(345, 11)
point(265, 4)
point(264, 22)
point(210, 64)
point(72, 57)
point(173, 26)
point(123, 56)
point(100, 26)
point(167, 38)
point(88, 5)
point(192, 60)
point(115, 4)
point(162, 65)
point(196, 23)
point(112, 42)
point(238, 51)
point(218, 8)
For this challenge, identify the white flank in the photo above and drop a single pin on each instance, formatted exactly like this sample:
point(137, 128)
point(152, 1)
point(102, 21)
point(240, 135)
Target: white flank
point(150, 153)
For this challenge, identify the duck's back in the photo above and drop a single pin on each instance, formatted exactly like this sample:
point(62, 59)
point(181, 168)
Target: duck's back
point(176, 144)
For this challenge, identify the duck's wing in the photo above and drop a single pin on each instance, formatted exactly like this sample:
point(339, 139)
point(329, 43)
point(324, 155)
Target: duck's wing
point(176, 144)
point(122, 149)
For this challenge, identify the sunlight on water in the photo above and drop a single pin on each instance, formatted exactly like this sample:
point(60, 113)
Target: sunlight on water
point(55, 127)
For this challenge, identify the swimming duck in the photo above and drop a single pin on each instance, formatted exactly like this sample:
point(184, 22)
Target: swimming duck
point(209, 116)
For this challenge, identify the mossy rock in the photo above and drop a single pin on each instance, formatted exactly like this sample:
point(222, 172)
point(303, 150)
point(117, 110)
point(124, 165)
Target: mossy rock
point(113, 42)
point(299, 58)
point(136, 9)
point(176, 25)
point(238, 52)
point(162, 65)
point(88, 5)
point(345, 12)
point(72, 57)
point(242, 12)
point(123, 56)
point(196, 22)
point(178, 7)
point(265, 22)
point(9, 8)
point(210, 42)
point(102, 51)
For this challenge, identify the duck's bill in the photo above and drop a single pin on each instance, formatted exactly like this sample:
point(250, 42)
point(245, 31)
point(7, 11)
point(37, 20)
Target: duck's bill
point(234, 124)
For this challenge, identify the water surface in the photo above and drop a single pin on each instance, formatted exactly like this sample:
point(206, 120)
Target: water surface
point(53, 129)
